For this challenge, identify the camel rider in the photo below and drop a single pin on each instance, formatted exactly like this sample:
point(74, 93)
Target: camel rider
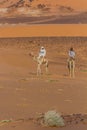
point(71, 54)
point(42, 53)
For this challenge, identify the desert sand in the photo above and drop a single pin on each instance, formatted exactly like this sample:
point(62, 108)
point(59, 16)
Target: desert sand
point(43, 30)
point(24, 95)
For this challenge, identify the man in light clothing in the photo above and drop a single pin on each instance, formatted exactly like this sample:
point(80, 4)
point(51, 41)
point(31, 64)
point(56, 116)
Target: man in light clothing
point(72, 54)
point(42, 53)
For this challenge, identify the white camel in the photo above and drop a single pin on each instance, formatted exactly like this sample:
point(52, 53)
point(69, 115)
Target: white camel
point(71, 67)
point(40, 62)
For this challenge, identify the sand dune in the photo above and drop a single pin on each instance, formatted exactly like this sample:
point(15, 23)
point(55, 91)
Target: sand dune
point(77, 5)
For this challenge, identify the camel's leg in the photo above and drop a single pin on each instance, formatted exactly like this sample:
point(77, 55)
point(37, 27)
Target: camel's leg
point(38, 70)
point(70, 69)
point(47, 68)
point(73, 69)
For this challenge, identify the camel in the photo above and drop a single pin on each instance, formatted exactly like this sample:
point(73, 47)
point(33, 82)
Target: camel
point(71, 67)
point(40, 62)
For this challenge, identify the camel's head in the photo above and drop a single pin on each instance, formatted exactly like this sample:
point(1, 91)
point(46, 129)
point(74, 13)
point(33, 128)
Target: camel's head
point(31, 54)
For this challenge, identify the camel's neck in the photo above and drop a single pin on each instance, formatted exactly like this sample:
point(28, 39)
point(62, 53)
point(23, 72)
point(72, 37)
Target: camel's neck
point(35, 58)
point(32, 55)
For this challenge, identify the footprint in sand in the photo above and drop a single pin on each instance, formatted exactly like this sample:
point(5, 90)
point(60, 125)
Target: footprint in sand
point(24, 79)
point(19, 89)
point(68, 100)
point(60, 90)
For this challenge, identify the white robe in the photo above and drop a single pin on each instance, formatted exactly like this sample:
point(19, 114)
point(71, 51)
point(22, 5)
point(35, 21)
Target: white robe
point(42, 53)
point(72, 54)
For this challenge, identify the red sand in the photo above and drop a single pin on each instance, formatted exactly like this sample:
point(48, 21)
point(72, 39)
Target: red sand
point(23, 94)
point(43, 30)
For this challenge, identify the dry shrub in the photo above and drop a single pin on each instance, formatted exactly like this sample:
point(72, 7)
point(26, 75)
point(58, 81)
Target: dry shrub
point(53, 119)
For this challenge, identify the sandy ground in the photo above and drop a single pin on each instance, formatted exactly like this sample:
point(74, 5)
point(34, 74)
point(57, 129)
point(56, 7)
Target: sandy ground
point(43, 30)
point(24, 95)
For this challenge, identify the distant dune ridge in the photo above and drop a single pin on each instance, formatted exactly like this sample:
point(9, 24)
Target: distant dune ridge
point(62, 5)
point(41, 8)
point(24, 6)
point(76, 4)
